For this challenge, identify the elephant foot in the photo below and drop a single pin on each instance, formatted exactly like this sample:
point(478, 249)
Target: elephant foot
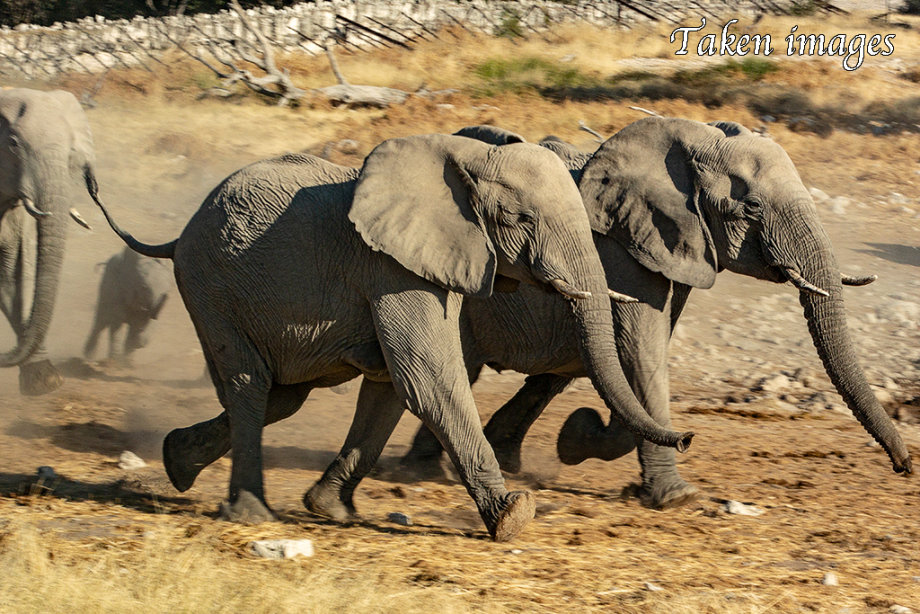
point(520, 508)
point(185, 455)
point(584, 435)
point(247, 509)
point(668, 495)
point(39, 377)
point(327, 502)
point(508, 455)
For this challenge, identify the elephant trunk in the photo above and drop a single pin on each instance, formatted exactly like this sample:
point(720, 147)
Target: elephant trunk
point(597, 347)
point(48, 264)
point(828, 327)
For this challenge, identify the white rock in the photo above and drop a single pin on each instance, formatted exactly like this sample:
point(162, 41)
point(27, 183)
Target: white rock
point(736, 507)
point(400, 518)
point(818, 195)
point(838, 205)
point(777, 383)
point(129, 461)
point(900, 609)
point(652, 587)
point(896, 198)
point(830, 579)
point(282, 548)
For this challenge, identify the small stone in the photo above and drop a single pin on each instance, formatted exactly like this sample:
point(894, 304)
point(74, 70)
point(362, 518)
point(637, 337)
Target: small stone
point(46, 473)
point(838, 205)
point(896, 198)
point(769, 119)
point(830, 579)
point(872, 444)
point(400, 519)
point(741, 509)
point(652, 587)
point(900, 609)
point(516, 551)
point(282, 548)
point(776, 383)
point(129, 461)
point(819, 196)
point(446, 106)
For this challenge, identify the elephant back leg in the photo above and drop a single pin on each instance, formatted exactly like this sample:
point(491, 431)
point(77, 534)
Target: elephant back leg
point(508, 426)
point(187, 451)
point(419, 334)
point(376, 415)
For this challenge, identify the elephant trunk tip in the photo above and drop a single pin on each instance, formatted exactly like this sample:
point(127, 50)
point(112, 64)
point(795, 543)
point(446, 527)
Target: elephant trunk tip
point(683, 441)
point(903, 465)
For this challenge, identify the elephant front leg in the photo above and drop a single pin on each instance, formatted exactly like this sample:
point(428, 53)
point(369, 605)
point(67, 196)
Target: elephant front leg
point(376, 415)
point(37, 375)
point(420, 337)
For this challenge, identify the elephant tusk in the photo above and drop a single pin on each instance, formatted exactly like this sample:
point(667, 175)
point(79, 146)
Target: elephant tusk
point(849, 280)
point(567, 289)
point(803, 284)
point(621, 298)
point(79, 219)
point(33, 211)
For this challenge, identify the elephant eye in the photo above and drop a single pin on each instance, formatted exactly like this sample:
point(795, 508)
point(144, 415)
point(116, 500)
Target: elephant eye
point(753, 206)
point(14, 143)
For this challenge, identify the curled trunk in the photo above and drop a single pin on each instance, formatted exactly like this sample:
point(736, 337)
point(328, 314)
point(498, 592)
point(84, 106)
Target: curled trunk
point(597, 347)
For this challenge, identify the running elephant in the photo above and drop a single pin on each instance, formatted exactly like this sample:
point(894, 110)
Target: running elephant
point(299, 274)
point(44, 141)
point(671, 202)
point(132, 292)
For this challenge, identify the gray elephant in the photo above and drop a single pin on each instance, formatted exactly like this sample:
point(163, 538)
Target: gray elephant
point(299, 274)
point(132, 291)
point(671, 203)
point(44, 140)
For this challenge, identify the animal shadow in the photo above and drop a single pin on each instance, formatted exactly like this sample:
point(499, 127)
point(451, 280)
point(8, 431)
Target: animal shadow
point(900, 254)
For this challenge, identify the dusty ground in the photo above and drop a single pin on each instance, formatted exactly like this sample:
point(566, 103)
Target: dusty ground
point(831, 502)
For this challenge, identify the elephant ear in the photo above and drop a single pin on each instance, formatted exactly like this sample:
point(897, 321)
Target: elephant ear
point(573, 158)
point(415, 200)
point(642, 188)
point(731, 128)
point(490, 135)
point(82, 153)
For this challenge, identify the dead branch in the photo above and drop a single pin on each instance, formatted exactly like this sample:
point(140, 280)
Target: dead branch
point(646, 111)
point(357, 95)
point(583, 126)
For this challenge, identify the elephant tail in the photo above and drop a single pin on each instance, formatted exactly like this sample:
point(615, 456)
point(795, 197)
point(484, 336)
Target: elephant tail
point(163, 250)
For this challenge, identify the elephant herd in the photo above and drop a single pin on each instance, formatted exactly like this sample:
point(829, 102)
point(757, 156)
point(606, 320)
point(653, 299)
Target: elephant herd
point(442, 254)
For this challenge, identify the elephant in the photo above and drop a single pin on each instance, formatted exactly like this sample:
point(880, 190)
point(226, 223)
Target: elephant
point(671, 203)
point(298, 273)
point(132, 292)
point(44, 140)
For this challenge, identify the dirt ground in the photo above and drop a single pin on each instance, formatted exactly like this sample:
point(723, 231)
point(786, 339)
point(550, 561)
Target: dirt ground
point(831, 504)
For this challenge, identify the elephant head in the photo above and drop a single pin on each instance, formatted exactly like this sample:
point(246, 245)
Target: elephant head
point(688, 199)
point(44, 140)
point(462, 213)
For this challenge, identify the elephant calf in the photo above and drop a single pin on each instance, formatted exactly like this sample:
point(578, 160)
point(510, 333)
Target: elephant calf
point(132, 292)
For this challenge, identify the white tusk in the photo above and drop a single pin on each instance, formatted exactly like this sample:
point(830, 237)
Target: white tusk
point(33, 211)
point(849, 280)
point(621, 298)
point(803, 284)
point(79, 219)
point(567, 289)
